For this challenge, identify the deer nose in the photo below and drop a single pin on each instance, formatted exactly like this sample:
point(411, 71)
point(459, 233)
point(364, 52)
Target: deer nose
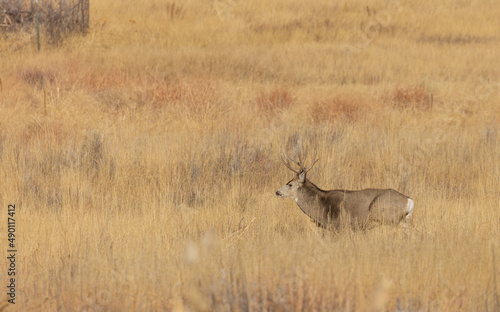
point(278, 193)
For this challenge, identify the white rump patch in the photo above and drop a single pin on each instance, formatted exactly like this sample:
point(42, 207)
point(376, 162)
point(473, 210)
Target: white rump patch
point(409, 209)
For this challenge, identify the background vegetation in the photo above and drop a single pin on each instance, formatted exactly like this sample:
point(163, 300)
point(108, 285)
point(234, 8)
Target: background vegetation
point(143, 158)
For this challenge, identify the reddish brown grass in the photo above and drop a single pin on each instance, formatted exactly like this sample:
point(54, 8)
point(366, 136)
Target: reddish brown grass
point(272, 102)
point(37, 76)
point(347, 107)
point(411, 98)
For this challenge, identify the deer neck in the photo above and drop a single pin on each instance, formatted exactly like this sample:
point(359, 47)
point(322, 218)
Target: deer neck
point(310, 199)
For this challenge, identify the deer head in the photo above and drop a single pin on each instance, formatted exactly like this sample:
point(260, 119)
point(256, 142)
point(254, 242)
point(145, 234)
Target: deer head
point(290, 189)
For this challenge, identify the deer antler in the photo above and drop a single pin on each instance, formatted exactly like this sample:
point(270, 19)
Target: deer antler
point(314, 162)
point(290, 158)
point(302, 157)
point(287, 163)
point(300, 163)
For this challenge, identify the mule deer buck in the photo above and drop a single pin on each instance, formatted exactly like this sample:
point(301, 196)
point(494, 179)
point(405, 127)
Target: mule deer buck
point(330, 208)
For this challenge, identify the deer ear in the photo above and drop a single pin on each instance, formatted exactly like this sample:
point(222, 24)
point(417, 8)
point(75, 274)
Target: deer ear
point(302, 176)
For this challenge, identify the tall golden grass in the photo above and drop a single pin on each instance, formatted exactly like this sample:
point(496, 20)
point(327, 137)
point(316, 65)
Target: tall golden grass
point(143, 158)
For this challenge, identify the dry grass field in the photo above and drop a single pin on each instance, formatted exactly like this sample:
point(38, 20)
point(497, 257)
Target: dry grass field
point(143, 158)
